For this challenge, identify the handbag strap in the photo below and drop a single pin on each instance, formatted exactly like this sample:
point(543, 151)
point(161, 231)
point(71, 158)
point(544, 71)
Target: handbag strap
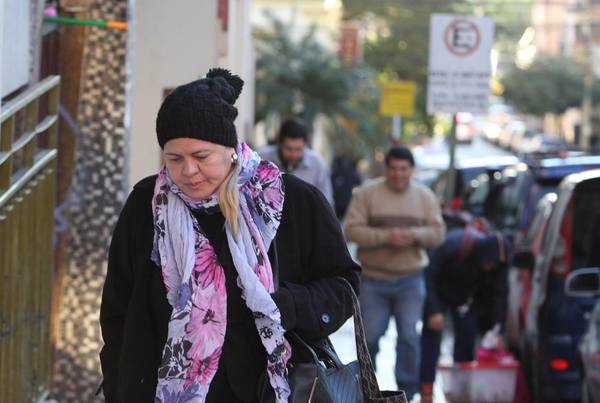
point(368, 379)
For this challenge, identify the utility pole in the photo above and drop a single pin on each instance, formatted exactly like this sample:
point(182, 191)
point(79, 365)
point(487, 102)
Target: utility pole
point(588, 79)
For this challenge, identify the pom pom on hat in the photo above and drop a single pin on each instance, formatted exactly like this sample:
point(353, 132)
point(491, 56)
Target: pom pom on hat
point(232, 91)
point(202, 109)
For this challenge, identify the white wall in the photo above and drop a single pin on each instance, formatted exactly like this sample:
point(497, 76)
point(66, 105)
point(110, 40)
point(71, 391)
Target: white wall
point(174, 43)
point(15, 21)
point(240, 60)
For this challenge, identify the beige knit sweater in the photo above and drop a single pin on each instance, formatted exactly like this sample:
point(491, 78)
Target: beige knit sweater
point(375, 209)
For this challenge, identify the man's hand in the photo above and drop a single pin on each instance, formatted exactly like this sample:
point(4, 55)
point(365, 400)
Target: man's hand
point(436, 322)
point(401, 237)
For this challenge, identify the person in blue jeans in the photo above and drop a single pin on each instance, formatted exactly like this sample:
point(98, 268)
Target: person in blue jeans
point(467, 278)
point(394, 220)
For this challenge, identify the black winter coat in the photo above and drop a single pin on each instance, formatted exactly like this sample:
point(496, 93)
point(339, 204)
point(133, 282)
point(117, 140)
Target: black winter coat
point(135, 313)
point(454, 282)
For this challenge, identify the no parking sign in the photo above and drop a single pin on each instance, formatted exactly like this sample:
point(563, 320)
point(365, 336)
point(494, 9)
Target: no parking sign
point(459, 63)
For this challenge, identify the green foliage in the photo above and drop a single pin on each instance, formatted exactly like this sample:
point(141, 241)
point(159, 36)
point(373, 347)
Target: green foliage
point(296, 78)
point(397, 42)
point(358, 130)
point(549, 85)
point(300, 78)
point(511, 18)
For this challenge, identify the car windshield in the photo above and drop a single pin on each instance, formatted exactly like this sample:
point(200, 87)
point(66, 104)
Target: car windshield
point(479, 190)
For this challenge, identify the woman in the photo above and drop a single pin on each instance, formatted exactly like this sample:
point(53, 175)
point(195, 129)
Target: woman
point(190, 311)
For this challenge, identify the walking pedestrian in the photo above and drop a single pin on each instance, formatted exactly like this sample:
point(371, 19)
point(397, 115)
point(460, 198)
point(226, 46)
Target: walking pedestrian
point(467, 278)
point(190, 311)
point(394, 220)
point(344, 178)
point(292, 155)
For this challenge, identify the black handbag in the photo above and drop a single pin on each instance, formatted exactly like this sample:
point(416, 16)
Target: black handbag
point(323, 378)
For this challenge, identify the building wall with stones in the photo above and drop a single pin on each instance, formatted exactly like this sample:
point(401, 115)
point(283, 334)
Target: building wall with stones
point(99, 190)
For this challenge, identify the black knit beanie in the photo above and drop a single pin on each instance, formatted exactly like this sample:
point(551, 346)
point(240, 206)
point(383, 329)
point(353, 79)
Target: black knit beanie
point(202, 109)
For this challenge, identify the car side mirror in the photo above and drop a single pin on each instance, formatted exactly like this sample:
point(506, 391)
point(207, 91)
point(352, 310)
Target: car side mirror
point(523, 260)
point(583, 282)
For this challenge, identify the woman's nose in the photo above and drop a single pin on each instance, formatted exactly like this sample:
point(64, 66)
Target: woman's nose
point(190, 167)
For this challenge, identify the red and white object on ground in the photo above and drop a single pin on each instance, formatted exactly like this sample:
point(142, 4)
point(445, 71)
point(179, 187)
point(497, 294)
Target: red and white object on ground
point(492, 379)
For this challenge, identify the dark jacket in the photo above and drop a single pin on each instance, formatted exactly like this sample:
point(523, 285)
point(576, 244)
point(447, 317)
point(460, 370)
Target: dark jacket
point(135, 313)
point(456, 277)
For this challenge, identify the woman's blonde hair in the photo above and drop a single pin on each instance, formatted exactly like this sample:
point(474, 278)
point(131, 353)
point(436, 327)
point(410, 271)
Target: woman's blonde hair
point(229, 198)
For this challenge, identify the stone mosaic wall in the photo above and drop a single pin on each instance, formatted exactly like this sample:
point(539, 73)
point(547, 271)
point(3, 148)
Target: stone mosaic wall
point(98, 191)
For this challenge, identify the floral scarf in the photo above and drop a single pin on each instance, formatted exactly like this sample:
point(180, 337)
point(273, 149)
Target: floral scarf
point(195, 281)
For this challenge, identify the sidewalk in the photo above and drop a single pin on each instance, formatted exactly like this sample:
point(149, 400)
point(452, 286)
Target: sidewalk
point(343, 341)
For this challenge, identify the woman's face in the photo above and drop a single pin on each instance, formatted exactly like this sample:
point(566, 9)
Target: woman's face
point(197, 167)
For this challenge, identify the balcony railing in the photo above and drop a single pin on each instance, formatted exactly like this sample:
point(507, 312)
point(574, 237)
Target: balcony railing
point(28, 139)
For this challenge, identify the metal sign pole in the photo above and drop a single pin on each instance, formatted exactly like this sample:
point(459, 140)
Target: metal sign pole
point(396, 127)
point(450, 189)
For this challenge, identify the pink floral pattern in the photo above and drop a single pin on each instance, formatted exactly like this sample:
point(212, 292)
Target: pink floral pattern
point(195, 281)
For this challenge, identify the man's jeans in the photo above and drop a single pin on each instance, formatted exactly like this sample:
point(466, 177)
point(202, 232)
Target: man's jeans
point(403, 299)
point(465, 331)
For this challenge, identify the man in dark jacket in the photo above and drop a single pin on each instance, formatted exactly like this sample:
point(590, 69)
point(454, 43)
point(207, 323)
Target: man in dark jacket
point(467, 276)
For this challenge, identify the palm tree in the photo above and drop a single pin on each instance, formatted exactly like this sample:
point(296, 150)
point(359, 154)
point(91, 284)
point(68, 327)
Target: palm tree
point(298, 78)
point(301, 78)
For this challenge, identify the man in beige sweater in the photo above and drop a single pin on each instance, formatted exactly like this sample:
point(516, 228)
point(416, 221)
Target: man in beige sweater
point(394, 220)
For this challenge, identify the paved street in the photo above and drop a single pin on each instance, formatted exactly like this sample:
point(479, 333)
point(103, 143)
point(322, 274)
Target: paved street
point(435, 154)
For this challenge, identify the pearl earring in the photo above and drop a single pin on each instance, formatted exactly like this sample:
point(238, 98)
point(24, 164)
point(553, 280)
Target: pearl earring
point(234, 158)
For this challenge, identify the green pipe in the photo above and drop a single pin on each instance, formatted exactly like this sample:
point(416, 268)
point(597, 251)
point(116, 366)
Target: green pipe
point(78, 21)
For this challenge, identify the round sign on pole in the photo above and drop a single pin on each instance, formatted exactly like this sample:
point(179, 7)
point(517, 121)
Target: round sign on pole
point(462, 37)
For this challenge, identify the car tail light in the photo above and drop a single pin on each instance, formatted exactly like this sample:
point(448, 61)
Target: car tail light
point(558, 364)
point(457, 203)
point(561, 262)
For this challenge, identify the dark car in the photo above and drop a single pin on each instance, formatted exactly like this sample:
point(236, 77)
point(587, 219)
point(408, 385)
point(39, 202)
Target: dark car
point(556, 322)
point(541, 143)
point(467, 170)
point(586, 283)
point(520, 273)
point(511, 199)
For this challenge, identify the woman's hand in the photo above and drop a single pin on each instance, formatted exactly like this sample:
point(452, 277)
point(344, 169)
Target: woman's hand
point(436, 322)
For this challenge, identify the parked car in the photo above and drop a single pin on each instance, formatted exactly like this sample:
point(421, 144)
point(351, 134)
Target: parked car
point(499, 116)
point(467, 127)
point(542, 143)
point(555, 322)
point(586, 283)
point(519, 138)
point(511, 199)
point(513, 129)
point(466, 171)
point(519, 274)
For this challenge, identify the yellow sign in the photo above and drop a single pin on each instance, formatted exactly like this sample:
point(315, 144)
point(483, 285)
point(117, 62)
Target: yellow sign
point(397, 98)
